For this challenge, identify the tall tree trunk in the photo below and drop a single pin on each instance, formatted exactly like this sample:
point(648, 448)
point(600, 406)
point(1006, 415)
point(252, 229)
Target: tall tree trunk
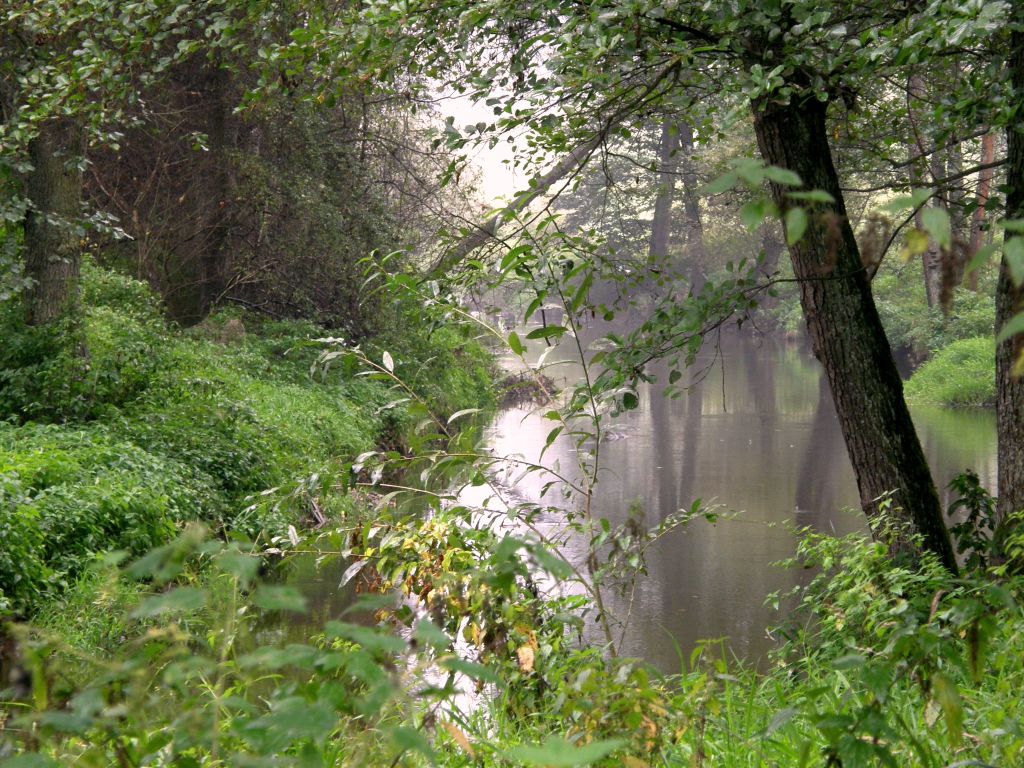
point(215, 248)
point(1009, 301)
point(988, 154)
point(845, 330)
point(696, 258)
point(931, 259)
point(52, 231)
point(661, 224)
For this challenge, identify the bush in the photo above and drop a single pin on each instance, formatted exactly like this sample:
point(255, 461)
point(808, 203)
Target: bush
point(72, 370)
point(70, 494)
point(961, 374)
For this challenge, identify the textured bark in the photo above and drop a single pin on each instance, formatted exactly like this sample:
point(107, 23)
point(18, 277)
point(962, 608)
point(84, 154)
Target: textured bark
point(846, 332)
point(52, 250)
point(219, 192)
point(1009, 301)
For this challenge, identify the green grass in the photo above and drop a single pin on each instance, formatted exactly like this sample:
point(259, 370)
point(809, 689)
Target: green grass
point(961, 374)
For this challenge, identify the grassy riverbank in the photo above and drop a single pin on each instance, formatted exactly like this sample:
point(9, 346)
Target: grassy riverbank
point(230, 423)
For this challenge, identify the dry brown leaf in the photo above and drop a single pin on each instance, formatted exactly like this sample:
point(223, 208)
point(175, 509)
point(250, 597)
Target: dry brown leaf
point(526, 656)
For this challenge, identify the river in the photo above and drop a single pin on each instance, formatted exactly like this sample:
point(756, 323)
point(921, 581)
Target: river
point(757, 434)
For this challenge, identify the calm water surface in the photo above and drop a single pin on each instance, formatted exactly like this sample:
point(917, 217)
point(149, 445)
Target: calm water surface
point(757, 435)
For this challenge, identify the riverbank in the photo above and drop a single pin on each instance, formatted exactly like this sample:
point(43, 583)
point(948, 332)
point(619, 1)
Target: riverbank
point(231, 423)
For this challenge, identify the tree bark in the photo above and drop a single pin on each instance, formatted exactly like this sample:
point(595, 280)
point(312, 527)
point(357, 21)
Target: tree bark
point(1009, 301)
point(846, 332)
point(219, 192)
point(988, 154)
point(52, 231)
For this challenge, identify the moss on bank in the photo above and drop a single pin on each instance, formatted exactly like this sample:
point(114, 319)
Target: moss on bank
point(158, 426)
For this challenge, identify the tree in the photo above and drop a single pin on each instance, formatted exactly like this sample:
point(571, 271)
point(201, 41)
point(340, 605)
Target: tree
point(69, 71)
point(1009, 295)
point(614, 64)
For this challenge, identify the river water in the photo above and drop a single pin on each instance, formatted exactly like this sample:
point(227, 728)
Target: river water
point(757, 434)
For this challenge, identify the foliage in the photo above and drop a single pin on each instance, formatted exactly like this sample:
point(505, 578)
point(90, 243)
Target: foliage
point(72, 494)
point(975, 530)
point(961, 374)
point(64, 371)
point(922, 331)
point(218, 424)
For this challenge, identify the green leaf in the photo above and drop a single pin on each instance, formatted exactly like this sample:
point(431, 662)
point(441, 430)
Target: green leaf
point(547, 331)
point(459, 414)
point(1013, 253)
point(370, 639)
point(782, 176)
point(428, 633)
point(240, 565)
point(551, 562)
point(279, 597)
point(630, 401)
point(796, 225)
point(948, 698)
point(470, 669)
point(936, 223)
point(849, 661)
point(31, 760)
point(411, 740)
point(556, 752)
point(752, 214)
point(980, 259)
point(1011, 328)
point(723, 183)
point(780, 718)
point(812, 196)
point(515, 344)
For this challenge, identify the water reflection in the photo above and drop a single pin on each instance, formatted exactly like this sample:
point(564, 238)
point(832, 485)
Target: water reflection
point(756, 433)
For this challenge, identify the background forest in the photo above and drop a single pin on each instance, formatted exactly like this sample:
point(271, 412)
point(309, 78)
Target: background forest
point(261, 316)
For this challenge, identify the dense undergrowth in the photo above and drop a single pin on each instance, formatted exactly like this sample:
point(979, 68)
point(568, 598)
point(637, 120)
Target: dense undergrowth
point(883, 662)
point(115, 434)
point(959, 375)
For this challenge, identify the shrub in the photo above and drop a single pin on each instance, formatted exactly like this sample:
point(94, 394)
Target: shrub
point(72, 370)
point(70, 494)
point(961, 374)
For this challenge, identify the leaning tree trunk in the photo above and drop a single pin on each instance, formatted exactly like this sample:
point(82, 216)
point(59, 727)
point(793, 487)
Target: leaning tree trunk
point(988, 154)
point(1009, 301)
point(52, 236)
point(845, 329)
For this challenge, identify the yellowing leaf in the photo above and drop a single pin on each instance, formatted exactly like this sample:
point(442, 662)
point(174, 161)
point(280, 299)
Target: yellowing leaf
point(916, 243)
point(526, 655)
point(459, 738)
